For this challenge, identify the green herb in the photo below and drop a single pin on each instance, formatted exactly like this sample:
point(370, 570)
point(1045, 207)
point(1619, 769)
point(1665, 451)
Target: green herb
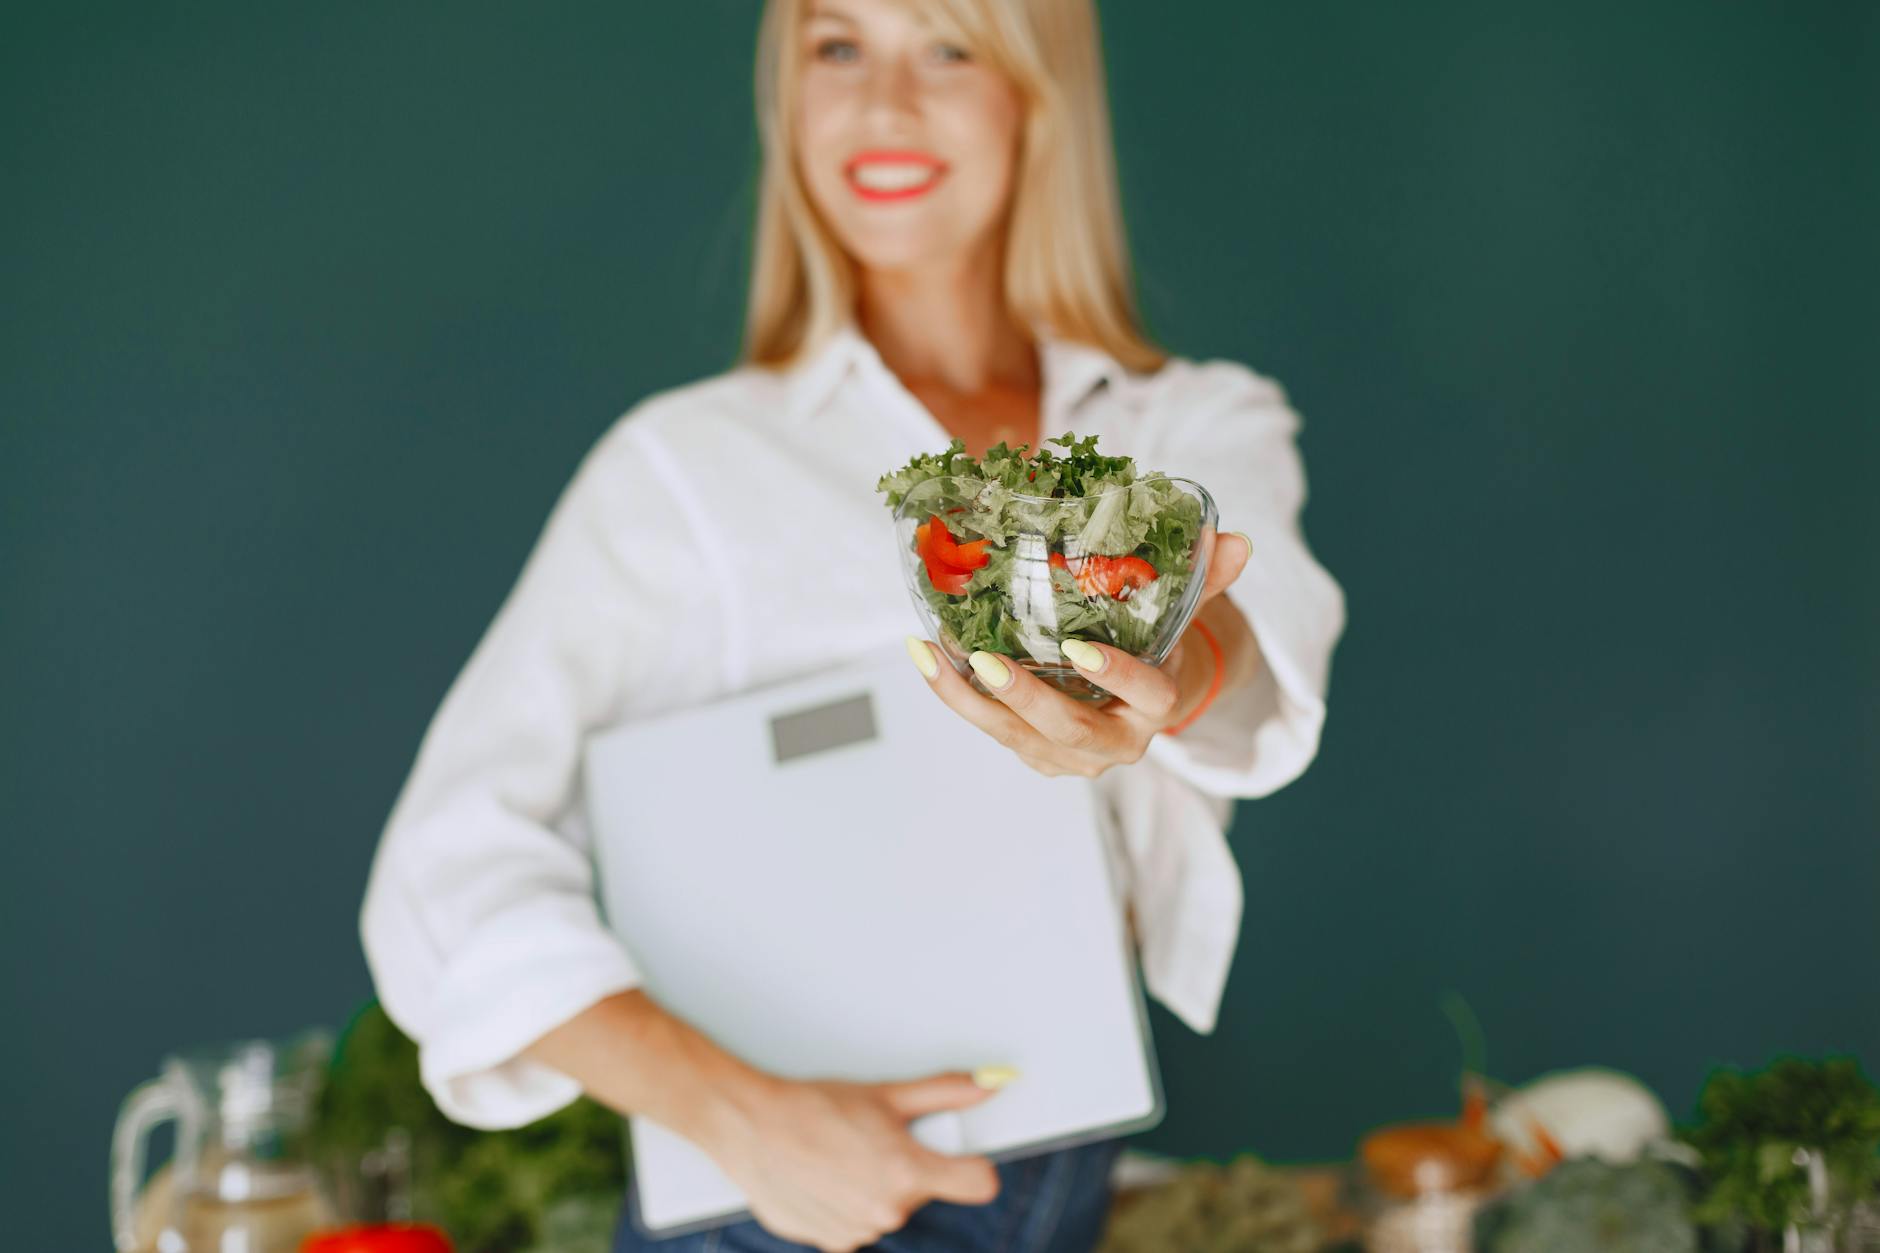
point(554, 1186)
point(1756, 1133)
point(1080, 504)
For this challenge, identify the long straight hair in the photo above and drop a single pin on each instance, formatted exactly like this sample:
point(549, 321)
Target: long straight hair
point(1066, 260)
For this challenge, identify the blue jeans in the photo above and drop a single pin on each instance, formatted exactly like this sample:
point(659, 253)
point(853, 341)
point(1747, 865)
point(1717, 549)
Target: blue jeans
point(1048, 1203)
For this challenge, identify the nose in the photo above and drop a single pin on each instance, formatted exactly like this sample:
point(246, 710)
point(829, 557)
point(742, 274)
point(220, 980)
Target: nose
point(892, 91)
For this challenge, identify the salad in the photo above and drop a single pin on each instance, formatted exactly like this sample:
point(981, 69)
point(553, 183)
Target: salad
point(1014, 553)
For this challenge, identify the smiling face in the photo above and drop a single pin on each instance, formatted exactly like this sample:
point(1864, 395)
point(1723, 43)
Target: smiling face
point(906, 143)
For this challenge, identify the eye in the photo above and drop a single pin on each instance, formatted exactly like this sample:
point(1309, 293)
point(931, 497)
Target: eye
point(951, 54)
point(837, 51)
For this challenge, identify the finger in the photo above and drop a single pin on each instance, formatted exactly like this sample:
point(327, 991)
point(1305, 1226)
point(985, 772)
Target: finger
point(983, 712)
point(1148, 691)
point(965, 1180)
point(955, 1089)
point(1226, 562)
point(1050, 768)
point(1059, 719)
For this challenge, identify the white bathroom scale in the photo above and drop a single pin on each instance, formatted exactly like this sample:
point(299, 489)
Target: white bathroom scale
point(838, 877)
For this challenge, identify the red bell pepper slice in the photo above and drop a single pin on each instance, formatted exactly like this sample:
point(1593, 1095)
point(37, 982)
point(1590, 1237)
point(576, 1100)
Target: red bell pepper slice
point(927, 544)
point(949, 564)
point(952, 582)
point(972, 556)
point(951, 552)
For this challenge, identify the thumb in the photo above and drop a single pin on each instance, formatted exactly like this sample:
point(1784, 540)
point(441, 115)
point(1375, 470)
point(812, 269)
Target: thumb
point(1229, 558)
point(961, 1180)
point(953, 1089)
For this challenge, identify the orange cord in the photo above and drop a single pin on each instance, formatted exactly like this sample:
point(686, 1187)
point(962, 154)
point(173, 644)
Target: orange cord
point(1214, 687)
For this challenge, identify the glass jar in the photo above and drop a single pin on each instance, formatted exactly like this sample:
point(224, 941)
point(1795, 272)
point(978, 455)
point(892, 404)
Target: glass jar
point(1834, 1223)
point(239, 1180)
point(1421, 1185)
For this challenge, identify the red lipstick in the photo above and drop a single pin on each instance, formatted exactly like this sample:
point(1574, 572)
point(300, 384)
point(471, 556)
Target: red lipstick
point(901, 186)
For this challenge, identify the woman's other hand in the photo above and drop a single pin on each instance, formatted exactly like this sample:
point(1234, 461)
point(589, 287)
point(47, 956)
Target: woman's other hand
point(1056, 735)
point(832, 1164)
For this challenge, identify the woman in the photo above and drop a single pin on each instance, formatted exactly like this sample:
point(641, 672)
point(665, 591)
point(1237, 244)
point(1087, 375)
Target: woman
point(939, 254)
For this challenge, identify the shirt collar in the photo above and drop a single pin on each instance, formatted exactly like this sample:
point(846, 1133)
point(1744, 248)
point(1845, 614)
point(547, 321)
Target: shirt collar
point(1072, 372)
point(811, 381)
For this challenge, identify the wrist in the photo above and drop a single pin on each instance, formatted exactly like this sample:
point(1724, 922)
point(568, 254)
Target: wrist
point(718, 1095)
point(633, 1056)
point(1219, 655)
point(1197, 674)
point(1200, 676)
point(1240, 649)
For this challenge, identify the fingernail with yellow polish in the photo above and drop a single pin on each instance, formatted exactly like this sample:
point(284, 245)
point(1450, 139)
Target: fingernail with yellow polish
point(1245, 539)
point(991, 670)
point(994, 1077)
point(923, 656)
point(1082, 655)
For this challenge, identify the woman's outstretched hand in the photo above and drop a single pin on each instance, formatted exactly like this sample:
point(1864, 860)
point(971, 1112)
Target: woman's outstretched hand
point(832, 1164)
point(1056, 735)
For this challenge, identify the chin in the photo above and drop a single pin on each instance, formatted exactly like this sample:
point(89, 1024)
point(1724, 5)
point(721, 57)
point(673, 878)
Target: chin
point(886, 246)
point(907, 237)
point(888, 255)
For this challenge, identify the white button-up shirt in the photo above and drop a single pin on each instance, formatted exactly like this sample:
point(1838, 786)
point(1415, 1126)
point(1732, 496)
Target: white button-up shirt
point(726, 535)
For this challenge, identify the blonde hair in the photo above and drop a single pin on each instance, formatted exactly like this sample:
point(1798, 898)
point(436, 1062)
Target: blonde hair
point(1066, 262)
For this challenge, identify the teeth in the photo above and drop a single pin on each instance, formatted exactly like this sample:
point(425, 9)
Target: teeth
point(891, 175)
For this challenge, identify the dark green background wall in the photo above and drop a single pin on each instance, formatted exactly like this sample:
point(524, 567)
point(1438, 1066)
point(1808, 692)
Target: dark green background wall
point(309, 313)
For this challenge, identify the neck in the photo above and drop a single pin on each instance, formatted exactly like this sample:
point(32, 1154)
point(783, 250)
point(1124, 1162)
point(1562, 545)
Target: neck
point(948, 325)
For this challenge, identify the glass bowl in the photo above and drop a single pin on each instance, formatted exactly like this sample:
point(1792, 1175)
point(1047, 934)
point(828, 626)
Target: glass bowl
point(1017, 575)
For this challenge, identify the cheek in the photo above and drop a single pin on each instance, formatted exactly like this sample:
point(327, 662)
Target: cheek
point(1002, 115)
point(816, 106)
point(820, 127)
point(987, 126)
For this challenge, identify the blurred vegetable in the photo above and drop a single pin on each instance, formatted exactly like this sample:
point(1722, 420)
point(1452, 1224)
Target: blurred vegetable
point(1588, 1112)
point(380, 1238)
point(555, 1185)
point(1244, 1207)
point(1759, 1131)
point(1589, 1206)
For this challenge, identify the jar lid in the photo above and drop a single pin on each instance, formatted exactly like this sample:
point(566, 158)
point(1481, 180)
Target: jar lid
point(1413, 1158)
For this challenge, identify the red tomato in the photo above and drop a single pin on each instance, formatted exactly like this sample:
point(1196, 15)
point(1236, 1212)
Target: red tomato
point(1122, 575)
point(383, 1238)
point(1108, 576)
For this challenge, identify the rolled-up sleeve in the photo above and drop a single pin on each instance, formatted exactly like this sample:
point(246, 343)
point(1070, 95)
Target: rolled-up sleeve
point(479, 923)
point(1232, 431)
